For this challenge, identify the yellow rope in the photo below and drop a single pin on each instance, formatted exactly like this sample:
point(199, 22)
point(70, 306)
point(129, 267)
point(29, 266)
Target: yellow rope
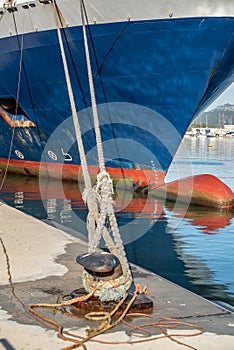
point(66, 302)
point(163, 324)
point(93, 332)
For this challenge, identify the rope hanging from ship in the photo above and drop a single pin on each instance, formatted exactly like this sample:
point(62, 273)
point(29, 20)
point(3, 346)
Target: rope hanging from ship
point(21, 46)
point(101, 220)
point(99, 66)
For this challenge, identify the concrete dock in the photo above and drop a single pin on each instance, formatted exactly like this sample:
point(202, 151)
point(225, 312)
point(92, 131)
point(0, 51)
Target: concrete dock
point(37, 265)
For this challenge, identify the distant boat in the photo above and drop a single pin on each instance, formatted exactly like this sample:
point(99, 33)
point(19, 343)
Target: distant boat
point(220, 133)
point(230, 134)
point(211, 134)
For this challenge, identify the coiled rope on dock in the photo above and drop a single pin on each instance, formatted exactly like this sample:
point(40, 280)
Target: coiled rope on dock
point(138, 331)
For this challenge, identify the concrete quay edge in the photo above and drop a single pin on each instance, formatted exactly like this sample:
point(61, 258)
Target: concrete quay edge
point(43, 267)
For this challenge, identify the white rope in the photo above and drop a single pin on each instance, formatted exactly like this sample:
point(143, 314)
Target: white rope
point(16, 109)
point(92, 94)
point(74, 114)
point(104, 185)
point(99, 199)
point(89, 195)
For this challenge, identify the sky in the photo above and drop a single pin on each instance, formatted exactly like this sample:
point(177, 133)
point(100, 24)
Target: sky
point(226, 97)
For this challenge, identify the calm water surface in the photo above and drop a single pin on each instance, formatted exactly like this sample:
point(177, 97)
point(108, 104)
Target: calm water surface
point(193, 248)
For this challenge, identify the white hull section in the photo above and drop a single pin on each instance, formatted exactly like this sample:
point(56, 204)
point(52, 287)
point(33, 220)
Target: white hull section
point(35, 16)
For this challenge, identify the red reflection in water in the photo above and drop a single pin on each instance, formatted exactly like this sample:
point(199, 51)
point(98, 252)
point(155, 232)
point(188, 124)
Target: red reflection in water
point(30, 189)
point(210, 222)
point(207, 221)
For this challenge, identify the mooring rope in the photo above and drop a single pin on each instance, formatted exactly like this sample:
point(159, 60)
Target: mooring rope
point(74, 112)
point(99, 199)
point(104, 188)
point(163, 324)
point(21, 46)
point(92, 94)
point(108, 322)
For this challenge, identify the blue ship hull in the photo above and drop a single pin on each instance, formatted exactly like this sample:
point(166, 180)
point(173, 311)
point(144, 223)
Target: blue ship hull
point(151, 79)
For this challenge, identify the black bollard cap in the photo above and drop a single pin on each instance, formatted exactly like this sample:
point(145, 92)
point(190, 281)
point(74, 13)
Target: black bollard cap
point(102, 262)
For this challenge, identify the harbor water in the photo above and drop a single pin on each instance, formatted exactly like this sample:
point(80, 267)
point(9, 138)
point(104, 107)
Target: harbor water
point(192, 247)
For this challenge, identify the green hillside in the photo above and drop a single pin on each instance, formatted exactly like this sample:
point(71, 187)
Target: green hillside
point(216, 117)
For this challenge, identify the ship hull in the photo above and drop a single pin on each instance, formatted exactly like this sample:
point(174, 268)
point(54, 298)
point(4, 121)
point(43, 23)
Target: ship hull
point(151, 78)
point(123, 178)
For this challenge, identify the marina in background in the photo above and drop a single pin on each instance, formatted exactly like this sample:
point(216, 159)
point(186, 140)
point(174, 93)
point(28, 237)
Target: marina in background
point(217, 122)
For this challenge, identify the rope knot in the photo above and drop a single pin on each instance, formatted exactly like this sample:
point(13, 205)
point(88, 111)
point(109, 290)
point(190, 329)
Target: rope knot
point(104, 182)
point(90, 197)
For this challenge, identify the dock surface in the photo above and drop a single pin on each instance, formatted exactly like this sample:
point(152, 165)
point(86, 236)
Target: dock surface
point(37, 265)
